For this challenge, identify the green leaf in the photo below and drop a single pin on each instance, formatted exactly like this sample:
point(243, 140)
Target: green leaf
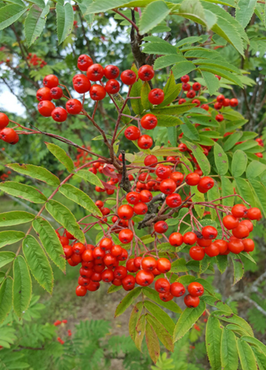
point(247, 146)
point(187, 319)
point(227, 189)
point(221, 263)
point(152, 15)
point(78, 196)
point(145, 89)
point(10, 237)
point(245, 190)
point(198, 197)
point(255, 169)
point(261, 346)
point(260, 358)
point(59, 153)
point(10, 14)
point(232, 318)
point(178, 265)
point(100, 6)
point(193, 10)
point(35, 22)
point(127, 301)
point(161, 315)
point(38, 263)
point(50, 242)
point(200, 157)
point(189, 130)
point(64, 20)
point(176, 110)
point(171, 91)
point(15, 218)
point(213, 342)
point(22, 287)
point(239, 163)
point(182, 68)
point(204, 120)
point(134, 317)
point(260, 191)
point(90, 177)
point(238, 269)
point(23, 191)
point(161, 48)
point(168, 60)
point(6, 257)
point(140, 332)
point(211, 81)
point(152, 343)
point(214, 193)
point(246, 356)
point(221, 160)
point(232, 140)
point(113, 289)
point(168, 121)
point(35, 172)
point(65, 218)
point(213, 301)
point(5, 298)
point(244, 11)
point(136, 92)
point(229, 357)
point(161, 332)
point(152, 295)
point(172, 135)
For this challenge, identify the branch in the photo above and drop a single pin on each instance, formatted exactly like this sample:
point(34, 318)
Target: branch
point(258, 307)
point(125, 183)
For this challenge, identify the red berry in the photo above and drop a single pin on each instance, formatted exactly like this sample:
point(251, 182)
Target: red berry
point(230, 222)
point(209, 232)
point(163, 171)
point(128, 282)
point(81, 290)
point(145, 142)
point(166, 297)
point(95, 72)
point(97, 92)
point(125, 236)
point(212, 250)
point(156, 96)
point(111, 72)
point(144, 278)
point(241, 231)
point(163, 265)
point(56, 92)
point(247, 223)
point(45, 108)
point(128, 77)
point(248, 245)
point(205, 184)
point(186, 86)
point(68, 251)
point(195, 289)
point(178, 177)
point(185, 78)
point(167, 186)
point(50, 81)
point(9, 135)
point(132, 133)
point(81, 84)
point(191, 94)
point(73, 106)
point(219, 117)
point(236, 246)
point(192, 179)
point(87, 256)
point(191, 301)
point(145, 196)
point(173, 200)
point(106, 244)
point(222, 245)
point(149, 121)
point(84, 62)
point(176, 239)
point(112, 87)
point(107, 276)
point(149, 263)
point(220, 99)
point(59, 114)
point(177, 289)
point(125, 212)
point(4, 120)
point(233, 102)
point(140, 208)
point(239, 210)
point(189, 238)
point(160, 227)
point(150, 160)
point(78, 248)
point(197, 253)
point(146, 73)
point(196, 86)
point(44, 94)
point(254, 214)
point(162, 285)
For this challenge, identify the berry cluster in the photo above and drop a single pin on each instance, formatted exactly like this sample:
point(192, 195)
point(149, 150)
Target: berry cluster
point(4, 176)
point(36, 61)
point(82, 157)
point(69, 332)
point(7, 134)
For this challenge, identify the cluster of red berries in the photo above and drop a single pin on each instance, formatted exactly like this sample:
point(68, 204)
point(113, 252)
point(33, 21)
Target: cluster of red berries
point(75, 24)
point(69, 332)
point(4, 176)
point(236, 242)
point(82, 156)
point(36, 61)
point(101, 263)
point(7, 134)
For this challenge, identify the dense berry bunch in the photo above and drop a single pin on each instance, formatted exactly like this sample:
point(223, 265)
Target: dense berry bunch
point(36, 61)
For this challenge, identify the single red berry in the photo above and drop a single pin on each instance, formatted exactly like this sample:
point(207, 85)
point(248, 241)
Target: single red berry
point(9, 135)
point(59, 114)
point(73, 106)
point(146, 73)
point(209, 232)
point(196, 86)
point(189, 238)
point(44, 94)
point(173, 200)
point(166, 297)
point(83, 281)
point(186, 86)
point(84, 62)
point(125, 236)
point(217, 106)
point(233, 102)
point(145, 142)
point(156, 96)
point(56, 92)
point(254, 214)
point(182, 147)
point(191, 302)
point(98, 253)
point(248, 245)
point(204, 242)
point(248, 224)
point(239, 210)
point(220, 99)
point(205, 107)
point(162, 285)
point(196, 101)
point(177, 289)
point(212, 250)
point(149, 263)
point(192, 179)
point(81, 291)
point(167, 186)
point(235, 246)
point(128, 77)
point(191, 94)
point(178, 177)
point(230, 222)
point(197, 253)
point(4, 120)
point(95, 72)
point(195, 289)
point(78, 248)
point(45, 108)
point(140, 208)
point(50, 81)
point(106, 244)
point(222, 245)
point(226, 102)
point(125, 212)
point(110, 261)
point(145, 196)
point(205, 184)
point(87, 255)
point(112, 87)
point(132, 133)
point(149, 121)
point(128, 282)
point(144, 278)
point(97, 92)
point(185, 78)
point(219, 117)
point(241, 231)
point(93, 286)
point(150, 160)
point(163, 265)
point(176, 239)
point(107, 276)
point(68, 251)
point(163, 171)
point(181, 101)
point(81, 84)
point(116, 250)
point(133, 197)
point(111, 72)
point(160, 227)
